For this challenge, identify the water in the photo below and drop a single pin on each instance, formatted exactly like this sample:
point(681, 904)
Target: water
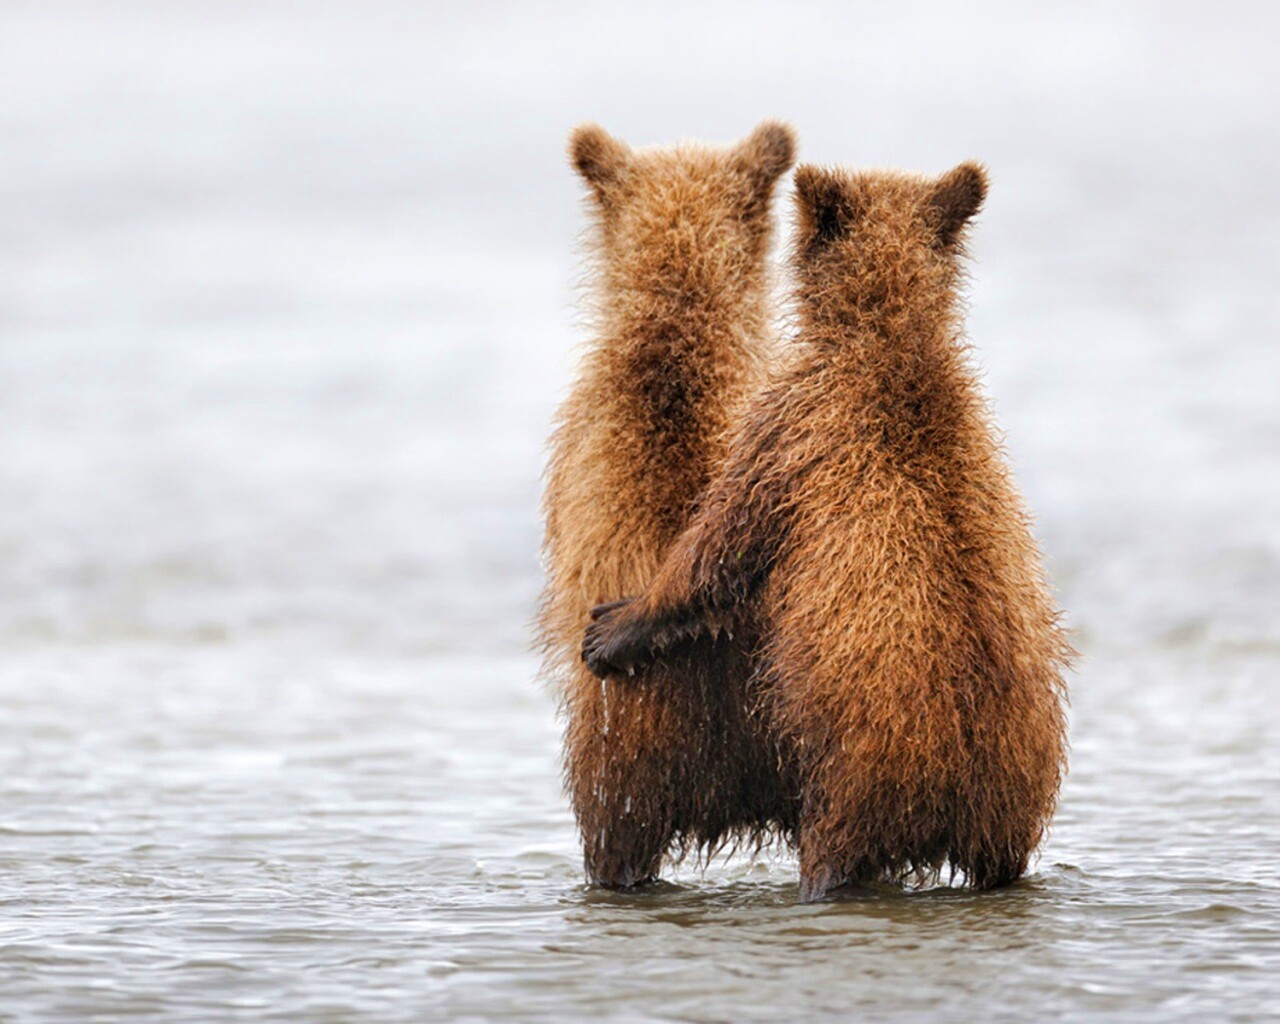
point(285, 304)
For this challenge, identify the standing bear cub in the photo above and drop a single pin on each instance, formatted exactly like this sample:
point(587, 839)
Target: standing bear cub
point(864, 526)
point(682, 322)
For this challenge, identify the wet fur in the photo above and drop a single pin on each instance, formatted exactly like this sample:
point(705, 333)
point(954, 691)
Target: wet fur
point(679, 295)
point(866, 529)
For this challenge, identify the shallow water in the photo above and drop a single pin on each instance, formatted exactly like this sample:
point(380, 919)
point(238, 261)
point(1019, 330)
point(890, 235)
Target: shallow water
point(195, 832)
point(284, 309)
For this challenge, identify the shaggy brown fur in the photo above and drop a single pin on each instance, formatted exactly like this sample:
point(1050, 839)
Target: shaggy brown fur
point(682, 317)
point(866, 527)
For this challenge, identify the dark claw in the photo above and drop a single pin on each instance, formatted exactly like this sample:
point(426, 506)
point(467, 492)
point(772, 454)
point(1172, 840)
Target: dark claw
point(611, 606)
point(609, 646)
point(594, 647)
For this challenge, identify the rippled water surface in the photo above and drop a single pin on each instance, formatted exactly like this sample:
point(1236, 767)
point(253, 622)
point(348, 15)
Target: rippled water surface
point(285, 305)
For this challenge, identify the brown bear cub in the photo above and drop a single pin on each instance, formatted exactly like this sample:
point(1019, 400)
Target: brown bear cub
point(682, 320)
point(866, 529)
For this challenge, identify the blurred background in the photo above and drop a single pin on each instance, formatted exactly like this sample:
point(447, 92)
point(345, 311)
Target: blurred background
point(286, 304)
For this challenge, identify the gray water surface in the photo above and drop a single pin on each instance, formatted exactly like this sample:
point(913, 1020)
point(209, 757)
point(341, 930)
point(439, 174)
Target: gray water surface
point(285, 306)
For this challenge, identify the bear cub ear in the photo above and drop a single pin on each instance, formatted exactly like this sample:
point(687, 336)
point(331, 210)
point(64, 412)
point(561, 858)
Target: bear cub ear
point(955, 198)
point(825, 206)
point(766, 154)
point(599, 158)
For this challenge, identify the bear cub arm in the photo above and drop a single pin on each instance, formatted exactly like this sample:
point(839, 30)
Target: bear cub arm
point(709, 577)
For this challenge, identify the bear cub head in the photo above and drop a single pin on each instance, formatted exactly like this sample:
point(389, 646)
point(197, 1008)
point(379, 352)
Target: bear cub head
point(879, 246)
point(684, 221)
